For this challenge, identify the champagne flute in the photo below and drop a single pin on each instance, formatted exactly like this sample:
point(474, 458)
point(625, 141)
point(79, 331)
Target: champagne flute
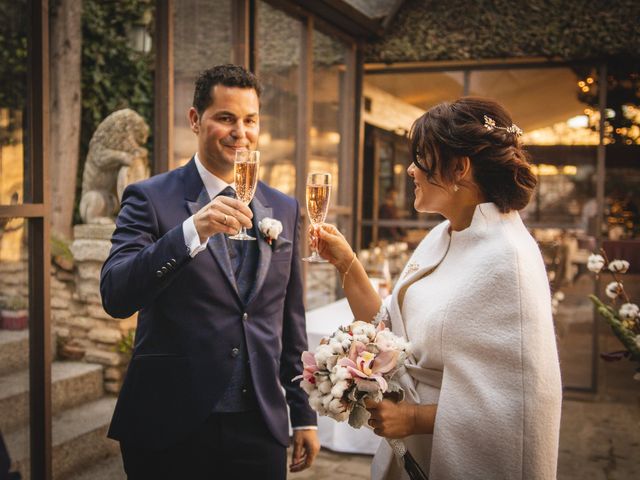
point(318, 196)
point(245, 172)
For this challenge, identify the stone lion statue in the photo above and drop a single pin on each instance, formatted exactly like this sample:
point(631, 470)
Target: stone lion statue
point(116, 158)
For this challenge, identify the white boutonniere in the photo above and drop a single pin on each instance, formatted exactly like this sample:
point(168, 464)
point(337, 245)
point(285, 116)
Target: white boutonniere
point(270, 229)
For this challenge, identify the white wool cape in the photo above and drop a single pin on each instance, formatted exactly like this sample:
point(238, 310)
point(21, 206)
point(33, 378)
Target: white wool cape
point(484, 348)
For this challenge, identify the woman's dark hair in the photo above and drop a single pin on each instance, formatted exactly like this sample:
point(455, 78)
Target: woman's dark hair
point(227, 75)
point(449, 131)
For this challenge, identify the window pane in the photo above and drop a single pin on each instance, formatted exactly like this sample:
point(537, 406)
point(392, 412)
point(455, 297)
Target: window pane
point(202, 39)
point(562, 139)
point(13, 101)
point(329, 120)
point(14, 340)
point(279, 70)
point(325, 134)
point(392, 103)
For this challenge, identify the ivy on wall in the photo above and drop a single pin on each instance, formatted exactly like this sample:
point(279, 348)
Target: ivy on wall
point(114, 75)
point(429, 30)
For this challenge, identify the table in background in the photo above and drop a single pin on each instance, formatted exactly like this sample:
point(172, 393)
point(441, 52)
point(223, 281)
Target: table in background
point(340, 437)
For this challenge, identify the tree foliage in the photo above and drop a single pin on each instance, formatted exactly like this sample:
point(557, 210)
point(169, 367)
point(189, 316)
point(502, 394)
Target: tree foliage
point(13, 65)
point(428, 30)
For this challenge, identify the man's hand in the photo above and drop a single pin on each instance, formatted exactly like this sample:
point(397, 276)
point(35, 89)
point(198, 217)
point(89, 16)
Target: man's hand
point(222, 214)
point(305, 448)
point(392, 420)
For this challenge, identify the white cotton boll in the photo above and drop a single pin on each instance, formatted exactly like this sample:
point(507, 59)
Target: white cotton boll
point(325, 386)
point(336, 407)
point(344, 339)
point(336, 347)
point(619, 266)
point(595, 263)
point(362, 338)
point(315, 400)
point(323, 352)
point(390, 341)
point(629, 311)
point(326, 400)
point(270, 227)
point(613, 290)
point(363, 329)
point(307, 386)
point(341, 373)
point(338, 389)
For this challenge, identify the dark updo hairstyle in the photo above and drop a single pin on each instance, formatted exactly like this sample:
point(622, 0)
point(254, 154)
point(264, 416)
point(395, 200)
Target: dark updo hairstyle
point(449, 131)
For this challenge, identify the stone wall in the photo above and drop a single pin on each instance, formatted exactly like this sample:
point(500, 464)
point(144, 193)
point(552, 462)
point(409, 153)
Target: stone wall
point(84, 330)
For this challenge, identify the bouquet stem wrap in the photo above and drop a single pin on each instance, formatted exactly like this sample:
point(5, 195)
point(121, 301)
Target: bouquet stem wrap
point(406, 460)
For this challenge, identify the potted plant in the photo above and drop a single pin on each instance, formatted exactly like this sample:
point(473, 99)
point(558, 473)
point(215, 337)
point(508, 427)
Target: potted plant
point(14, 314)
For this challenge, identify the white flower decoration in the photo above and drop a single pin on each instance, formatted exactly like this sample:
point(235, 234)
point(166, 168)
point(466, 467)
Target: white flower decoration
point(619, 266)
point(323, 352)
point(629, 311)
point(613, 290)
point(270, 229)
point(595, 263)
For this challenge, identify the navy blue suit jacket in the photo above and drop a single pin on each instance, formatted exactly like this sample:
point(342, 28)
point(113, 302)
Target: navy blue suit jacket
point(191, 316)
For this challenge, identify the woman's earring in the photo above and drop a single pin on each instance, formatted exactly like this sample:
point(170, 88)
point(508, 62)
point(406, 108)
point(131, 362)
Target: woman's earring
point(455, 187)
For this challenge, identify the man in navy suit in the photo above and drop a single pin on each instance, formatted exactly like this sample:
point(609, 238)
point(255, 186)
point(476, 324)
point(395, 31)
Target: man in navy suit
point(221, 323)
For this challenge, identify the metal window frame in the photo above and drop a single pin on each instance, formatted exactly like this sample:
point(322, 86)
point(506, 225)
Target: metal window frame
point(36, 212)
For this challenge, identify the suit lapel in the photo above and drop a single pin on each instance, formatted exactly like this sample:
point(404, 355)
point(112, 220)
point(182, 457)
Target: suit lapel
point(260, 210)
point(217, 245)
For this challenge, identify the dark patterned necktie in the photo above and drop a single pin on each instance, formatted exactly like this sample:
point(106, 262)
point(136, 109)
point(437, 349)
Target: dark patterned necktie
point(237, 248)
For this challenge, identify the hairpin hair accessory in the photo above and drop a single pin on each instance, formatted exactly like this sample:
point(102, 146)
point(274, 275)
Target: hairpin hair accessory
point(490, 124)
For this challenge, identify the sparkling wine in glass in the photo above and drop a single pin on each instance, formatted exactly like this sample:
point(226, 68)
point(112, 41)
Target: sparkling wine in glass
point(318, 196)
point(245, 172)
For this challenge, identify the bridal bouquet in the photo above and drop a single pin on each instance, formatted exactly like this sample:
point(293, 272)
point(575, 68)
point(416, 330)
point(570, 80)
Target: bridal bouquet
point(357, 361)
point(622, 316)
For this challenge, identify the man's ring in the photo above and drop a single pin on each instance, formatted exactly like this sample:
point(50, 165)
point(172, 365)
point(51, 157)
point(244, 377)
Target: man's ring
point(225, 218)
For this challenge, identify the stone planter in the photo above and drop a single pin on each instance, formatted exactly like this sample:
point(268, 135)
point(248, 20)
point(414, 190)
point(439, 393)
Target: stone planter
point(14, 319)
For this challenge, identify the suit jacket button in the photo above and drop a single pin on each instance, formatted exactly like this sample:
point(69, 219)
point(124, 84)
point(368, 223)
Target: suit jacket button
point(245, 316)
point(244, 390)
point(159, 274)
point(164, 270)
point(169, 265)
point(235, 352)
point(173, 262)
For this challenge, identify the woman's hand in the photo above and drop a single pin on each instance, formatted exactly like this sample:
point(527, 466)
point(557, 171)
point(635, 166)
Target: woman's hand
point(392, 420)
point(331, 245)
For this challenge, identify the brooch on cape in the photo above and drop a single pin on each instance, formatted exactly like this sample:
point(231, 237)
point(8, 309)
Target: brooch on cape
point(411, 268)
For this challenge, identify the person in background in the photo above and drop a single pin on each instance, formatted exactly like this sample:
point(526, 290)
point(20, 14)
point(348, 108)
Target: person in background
point(389, 211)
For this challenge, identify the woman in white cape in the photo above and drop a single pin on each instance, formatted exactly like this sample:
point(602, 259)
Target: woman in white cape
point(483, 392)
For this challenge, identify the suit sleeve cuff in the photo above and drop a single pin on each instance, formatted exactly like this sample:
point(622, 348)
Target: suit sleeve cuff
point(191, 237)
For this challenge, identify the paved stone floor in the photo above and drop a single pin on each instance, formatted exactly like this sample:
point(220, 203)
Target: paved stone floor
point(599, 440)
point(600, 434)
